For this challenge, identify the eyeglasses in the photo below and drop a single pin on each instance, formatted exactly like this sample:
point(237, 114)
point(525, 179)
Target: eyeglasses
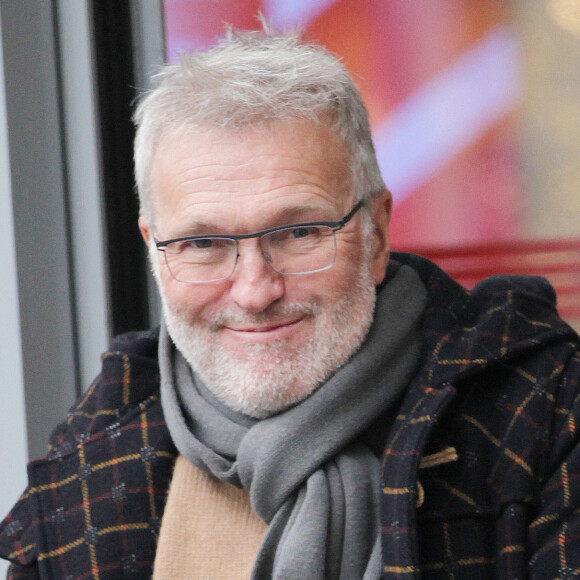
point(290, 250)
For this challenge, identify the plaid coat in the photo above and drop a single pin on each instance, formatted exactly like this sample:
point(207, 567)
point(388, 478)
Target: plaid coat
point(480, 474)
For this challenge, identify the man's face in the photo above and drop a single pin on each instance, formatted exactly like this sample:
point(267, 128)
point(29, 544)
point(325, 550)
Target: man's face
point(259, 340)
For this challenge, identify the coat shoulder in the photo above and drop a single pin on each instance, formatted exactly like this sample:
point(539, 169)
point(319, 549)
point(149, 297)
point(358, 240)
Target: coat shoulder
point(96, 500)
point(128, 382)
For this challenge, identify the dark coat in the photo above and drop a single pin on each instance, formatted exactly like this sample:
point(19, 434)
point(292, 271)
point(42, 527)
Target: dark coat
point(480, 474)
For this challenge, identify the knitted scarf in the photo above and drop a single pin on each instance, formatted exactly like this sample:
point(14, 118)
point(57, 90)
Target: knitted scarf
point(308, 470)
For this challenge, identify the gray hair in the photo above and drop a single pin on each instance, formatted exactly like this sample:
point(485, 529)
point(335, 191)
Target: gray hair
point(253, 78)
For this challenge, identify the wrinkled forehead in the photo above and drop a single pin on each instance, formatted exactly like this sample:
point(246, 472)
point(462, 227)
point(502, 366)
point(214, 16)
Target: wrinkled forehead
point(234, 165)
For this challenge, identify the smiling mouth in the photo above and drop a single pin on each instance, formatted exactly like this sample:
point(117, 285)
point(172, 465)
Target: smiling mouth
point(265, 328)
point(270, 332)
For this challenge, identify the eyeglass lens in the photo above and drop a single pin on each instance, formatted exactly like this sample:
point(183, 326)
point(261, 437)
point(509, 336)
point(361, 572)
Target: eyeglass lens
point(292, 250)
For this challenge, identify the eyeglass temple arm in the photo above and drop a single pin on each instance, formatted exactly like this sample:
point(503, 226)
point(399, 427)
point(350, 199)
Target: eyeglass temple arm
point(340, 224)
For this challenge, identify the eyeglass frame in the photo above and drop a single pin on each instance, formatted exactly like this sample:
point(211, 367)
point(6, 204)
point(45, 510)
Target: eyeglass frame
point(333, 225)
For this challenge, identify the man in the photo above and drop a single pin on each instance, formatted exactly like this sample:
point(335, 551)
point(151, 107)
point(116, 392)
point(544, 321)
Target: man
point(313, 406)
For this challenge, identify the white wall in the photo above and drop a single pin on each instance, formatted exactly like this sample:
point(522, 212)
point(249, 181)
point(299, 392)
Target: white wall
point(83, 177)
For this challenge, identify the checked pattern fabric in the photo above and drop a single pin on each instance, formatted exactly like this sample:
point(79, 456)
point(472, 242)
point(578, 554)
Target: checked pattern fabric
point(500, 386)
point(94, 504)
point(480, 472)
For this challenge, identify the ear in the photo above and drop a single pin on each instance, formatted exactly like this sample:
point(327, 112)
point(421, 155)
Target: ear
point(145, 231)
point(381, 209)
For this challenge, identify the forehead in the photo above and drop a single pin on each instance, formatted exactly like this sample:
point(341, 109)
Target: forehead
point(210, 173)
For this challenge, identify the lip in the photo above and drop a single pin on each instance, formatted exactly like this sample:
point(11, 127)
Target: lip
point(265, 332)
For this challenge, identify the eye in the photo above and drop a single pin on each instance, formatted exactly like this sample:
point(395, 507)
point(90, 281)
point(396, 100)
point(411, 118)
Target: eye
point(199, 245)
point(202, 244)
point(203, 251)
point(296, 235)
point(303, 232)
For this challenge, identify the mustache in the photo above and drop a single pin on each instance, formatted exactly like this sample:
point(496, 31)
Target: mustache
point(276, 313)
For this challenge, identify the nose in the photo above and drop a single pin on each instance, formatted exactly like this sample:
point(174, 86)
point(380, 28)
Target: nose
point(254, 284)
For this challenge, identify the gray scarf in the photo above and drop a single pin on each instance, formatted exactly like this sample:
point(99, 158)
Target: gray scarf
point(309, 472)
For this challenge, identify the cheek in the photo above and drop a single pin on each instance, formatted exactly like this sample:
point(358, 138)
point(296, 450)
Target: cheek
point(329, 287)
point(191, 301)
point(349, 265)
point(325, 288)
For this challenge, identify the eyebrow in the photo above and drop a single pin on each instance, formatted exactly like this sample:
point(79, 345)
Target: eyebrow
point(287, 216)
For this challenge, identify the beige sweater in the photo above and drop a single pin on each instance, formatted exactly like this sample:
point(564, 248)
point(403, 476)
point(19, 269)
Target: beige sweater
point(209, 530)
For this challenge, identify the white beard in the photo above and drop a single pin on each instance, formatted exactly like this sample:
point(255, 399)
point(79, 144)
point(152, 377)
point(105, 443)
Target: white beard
point(264, 379)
